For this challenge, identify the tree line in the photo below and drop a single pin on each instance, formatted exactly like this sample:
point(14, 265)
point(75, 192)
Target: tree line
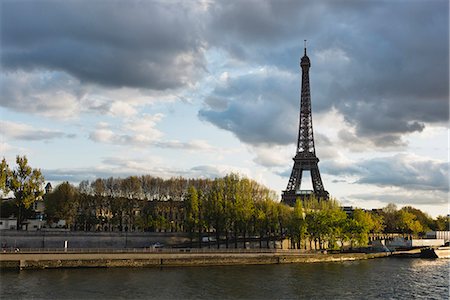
point(234, 209)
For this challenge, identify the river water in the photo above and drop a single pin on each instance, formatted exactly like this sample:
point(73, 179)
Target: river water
point(384, 278)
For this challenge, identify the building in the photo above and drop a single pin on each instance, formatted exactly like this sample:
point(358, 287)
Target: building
point(8, 223)
point(444, 235)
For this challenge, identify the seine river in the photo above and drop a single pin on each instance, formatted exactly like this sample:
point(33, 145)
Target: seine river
point(385, 278)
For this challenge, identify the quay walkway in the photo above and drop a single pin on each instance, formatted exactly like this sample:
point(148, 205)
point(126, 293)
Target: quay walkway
point(105, 258)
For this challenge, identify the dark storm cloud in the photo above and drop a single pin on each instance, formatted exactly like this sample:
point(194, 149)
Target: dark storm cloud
point(136, 44)
point(382, 64)
point(253, 107)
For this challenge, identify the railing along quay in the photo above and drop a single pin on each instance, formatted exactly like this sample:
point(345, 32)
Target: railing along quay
point(157, 250)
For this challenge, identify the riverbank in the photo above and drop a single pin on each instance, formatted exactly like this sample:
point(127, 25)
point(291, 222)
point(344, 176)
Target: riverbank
point(108, 259)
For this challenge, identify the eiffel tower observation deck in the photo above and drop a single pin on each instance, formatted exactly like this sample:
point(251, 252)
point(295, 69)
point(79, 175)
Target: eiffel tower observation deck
point(305, 158)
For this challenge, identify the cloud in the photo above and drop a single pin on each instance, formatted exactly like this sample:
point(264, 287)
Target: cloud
point(406, 171)
point(200, 145)
point(272, 157)
point(56, 94)
point(149, 44)
point(383, 78)
point(21, 131)
point(141, 131)
point(124, 167)
point(256, 106)
point(404, 197)
point(47, 93)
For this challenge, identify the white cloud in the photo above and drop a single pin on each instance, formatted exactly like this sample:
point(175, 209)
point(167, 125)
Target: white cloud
point(102, 135)
point(142, 132)
point(122, 109)
point(21, 131)
point(273, 156)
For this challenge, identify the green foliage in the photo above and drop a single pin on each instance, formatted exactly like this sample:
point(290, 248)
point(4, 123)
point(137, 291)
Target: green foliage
point(442, 223)
point(364, 223)
point(25, 182)
point(391, 218)
point(192, 207)
point(62, 203)
point(408, 223)
point(426, 222)
point(297, 225)
point(8, 208)
point(5, 176)
point(229, 207)
point(407, 220)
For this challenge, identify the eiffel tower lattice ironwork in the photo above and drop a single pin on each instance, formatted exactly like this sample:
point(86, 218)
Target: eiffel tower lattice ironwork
point(305, 158)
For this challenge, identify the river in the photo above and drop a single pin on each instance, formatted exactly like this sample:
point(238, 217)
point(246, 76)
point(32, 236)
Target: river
point(385, 278)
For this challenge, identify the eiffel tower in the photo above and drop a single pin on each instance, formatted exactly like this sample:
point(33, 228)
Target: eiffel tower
point(305, 158)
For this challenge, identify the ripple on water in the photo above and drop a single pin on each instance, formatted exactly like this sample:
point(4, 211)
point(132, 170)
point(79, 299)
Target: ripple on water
point(387, 278)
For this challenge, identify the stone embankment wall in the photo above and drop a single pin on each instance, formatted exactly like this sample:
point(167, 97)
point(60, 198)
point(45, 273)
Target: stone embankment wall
point(55, 239)
point(155, 259)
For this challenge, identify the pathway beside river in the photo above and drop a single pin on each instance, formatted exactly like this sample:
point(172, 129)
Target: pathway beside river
point(108, 258)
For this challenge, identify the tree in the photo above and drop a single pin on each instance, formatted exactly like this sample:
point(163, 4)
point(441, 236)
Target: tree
point(26, 183)
point(442, 223)
point(247, 207)
point(424, 219)
point(378, 223)
point(364, 224)
point(192, 211)
point(5, 175)
point(336, 217)
point(391, 218)
point(408, 223)
point(62, 204)
point(297, 225)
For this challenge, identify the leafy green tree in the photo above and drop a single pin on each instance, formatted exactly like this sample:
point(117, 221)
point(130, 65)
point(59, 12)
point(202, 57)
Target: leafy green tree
point(5, 176)
point(86, 218)
point(364, 224)
point(442, 223)
point(246, 207)
point(263, 220)
point(297, 225)
point(408, 223)
point(284, 218)
point(377, 223)
point(390, 215)
point(192, 218)
point(355, 232)
point(27, 185)
point(424, 219)
point(336, 217)
point(62, 204)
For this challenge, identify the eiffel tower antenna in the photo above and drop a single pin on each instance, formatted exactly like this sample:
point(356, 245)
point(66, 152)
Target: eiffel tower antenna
point(305, 158)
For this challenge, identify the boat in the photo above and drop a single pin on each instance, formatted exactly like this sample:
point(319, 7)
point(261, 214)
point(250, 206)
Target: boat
point(439, 252)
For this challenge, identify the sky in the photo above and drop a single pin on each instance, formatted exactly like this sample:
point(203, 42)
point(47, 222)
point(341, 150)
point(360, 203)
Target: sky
point(204, 88)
